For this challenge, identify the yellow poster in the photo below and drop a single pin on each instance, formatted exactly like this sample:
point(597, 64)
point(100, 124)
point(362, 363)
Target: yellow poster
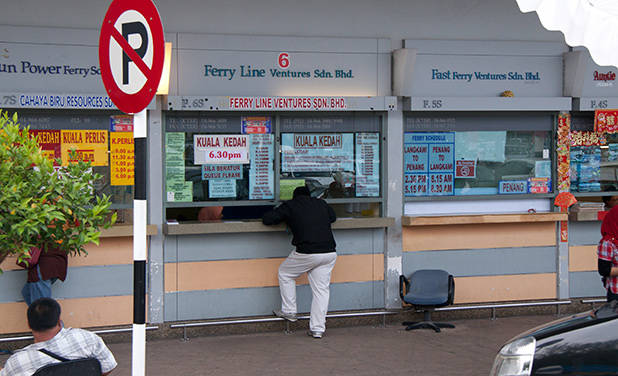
point(90, 146)
point(122, 158)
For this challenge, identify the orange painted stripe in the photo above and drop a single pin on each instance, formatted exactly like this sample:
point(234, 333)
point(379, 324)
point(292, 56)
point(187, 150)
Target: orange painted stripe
point(77, 313)
point(479, 236)
point(583, 258)
point(229, 274)
point(505, 288)
point(110, 251)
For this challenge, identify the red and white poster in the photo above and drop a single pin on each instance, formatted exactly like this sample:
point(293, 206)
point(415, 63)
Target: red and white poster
point(606, 121)
point(465, 169)
point(221, 149)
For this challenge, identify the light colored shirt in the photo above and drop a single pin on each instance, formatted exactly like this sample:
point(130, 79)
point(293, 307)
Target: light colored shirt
point(69, 343)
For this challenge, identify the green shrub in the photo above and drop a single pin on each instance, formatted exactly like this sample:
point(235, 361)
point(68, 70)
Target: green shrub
point(42, 206)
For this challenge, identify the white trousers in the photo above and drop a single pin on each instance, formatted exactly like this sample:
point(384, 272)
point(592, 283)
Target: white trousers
point(318, 267)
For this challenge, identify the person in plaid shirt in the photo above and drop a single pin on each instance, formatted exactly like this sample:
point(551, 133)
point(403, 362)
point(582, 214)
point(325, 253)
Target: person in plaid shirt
point(49, 334)
point(608, 253)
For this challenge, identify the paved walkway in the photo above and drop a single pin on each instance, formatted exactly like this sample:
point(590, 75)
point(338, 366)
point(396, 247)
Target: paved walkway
point(469, 349)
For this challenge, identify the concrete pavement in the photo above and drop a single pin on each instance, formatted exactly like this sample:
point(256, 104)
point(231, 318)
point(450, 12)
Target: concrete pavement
point(468, 349)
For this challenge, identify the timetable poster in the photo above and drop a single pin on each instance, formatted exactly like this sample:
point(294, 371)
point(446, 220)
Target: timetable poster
point(122, 163)
point(311, 152)
point(261, 170)
point(429, 164)
point(178, 190)
point(367, 165)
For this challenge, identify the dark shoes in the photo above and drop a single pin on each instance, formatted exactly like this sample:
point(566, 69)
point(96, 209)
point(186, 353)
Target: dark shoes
point(291, 317)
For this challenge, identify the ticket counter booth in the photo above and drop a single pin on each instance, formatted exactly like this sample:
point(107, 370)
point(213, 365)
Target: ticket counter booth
point(592, 164)
point(56, 90)
point(245, 124)
point(479, 162)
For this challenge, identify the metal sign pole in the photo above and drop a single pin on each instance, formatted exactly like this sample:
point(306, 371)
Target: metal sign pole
point(140, 210)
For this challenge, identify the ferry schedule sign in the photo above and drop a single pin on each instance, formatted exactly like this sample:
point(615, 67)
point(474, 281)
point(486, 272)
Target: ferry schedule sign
point(131, 53)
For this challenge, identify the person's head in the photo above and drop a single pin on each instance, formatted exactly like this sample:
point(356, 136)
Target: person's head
point(610, 201)
point(43, 314)
point(301, 191)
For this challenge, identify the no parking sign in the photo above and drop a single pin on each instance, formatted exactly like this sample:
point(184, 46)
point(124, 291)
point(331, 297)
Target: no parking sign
point(131, 53)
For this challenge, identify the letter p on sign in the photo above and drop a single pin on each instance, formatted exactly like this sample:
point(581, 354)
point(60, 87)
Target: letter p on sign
point(131, 53)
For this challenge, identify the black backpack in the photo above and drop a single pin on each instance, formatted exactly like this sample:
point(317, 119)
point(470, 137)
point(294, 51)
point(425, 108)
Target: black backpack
point(75, 367)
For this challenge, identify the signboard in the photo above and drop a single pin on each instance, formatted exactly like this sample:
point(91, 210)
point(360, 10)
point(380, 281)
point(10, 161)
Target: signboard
point(429, 164)
point(218, 172)
point(606, 121)
point(49, 141)
point(121, 123)
point(90, 146)
point(483, 69)
point(308, 152)
point(511, 187)
point(122, 163)
point(256, 124)
point(465, 169)
point(221, 149)
point(130, 71)
point(281, 66)
point(367, 165)
point(539, 185)
point(261, 170)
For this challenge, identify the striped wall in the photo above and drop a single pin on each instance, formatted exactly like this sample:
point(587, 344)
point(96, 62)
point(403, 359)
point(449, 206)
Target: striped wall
point(584, 279)
point(98, 290)
point(491, 262)
point(218, 275)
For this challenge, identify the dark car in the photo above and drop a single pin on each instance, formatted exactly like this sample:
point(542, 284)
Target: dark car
point(582, 344)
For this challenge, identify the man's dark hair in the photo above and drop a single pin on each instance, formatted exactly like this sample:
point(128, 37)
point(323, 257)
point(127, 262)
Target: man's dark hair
point(43, 314)
point(301, 191)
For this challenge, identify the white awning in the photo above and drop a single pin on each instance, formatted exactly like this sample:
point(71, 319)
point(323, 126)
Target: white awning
point(588, 23)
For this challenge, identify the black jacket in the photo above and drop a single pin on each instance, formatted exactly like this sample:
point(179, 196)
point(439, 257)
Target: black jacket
point(309, 219)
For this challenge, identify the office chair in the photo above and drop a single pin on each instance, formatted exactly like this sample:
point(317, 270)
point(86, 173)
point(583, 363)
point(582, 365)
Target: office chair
point(426, 290)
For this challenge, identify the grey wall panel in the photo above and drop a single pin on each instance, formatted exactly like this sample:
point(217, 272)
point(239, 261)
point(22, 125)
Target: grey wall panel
point(585, 284)
point(465, 263)
point(170, 249)
point(81, 282)
point(194, 305)
point(263, 245)
point(584, 233)
point(170, 310)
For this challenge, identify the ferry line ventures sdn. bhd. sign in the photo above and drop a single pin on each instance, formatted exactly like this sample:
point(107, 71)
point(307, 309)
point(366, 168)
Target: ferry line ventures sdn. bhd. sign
point(282, 66)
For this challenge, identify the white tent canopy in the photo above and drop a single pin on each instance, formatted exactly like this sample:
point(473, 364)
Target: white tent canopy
point(589, 23)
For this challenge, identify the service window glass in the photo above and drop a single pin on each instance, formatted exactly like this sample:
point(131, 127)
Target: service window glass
point(337, 156)
point(473, 156)
point(105, 139)
point(219, 158)
point(593, 157)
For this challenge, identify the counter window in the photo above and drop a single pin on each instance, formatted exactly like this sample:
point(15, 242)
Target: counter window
point(593, 157)
point(211, 159)
point(104, 139)
point(227, 162)
point(476, 162)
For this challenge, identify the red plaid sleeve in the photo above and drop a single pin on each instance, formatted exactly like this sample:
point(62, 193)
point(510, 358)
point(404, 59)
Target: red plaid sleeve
point(606, 250)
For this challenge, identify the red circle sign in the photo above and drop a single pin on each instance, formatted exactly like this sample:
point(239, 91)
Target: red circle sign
point(131, 53)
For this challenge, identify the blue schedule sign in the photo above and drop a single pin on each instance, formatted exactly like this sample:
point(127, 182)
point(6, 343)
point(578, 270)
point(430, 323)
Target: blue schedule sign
point(429, 164)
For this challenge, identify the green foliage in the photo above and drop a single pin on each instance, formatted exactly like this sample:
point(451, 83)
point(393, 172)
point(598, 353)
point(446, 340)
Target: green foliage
point(43, 206)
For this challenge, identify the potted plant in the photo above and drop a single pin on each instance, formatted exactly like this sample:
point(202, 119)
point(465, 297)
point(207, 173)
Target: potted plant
point(43, 205)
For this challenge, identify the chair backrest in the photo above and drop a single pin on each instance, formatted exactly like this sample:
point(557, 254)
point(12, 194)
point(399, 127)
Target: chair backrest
point(66, 367)
point(430, 287)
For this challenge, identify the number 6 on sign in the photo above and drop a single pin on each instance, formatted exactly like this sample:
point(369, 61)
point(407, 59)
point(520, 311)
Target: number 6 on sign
point(284, 60)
